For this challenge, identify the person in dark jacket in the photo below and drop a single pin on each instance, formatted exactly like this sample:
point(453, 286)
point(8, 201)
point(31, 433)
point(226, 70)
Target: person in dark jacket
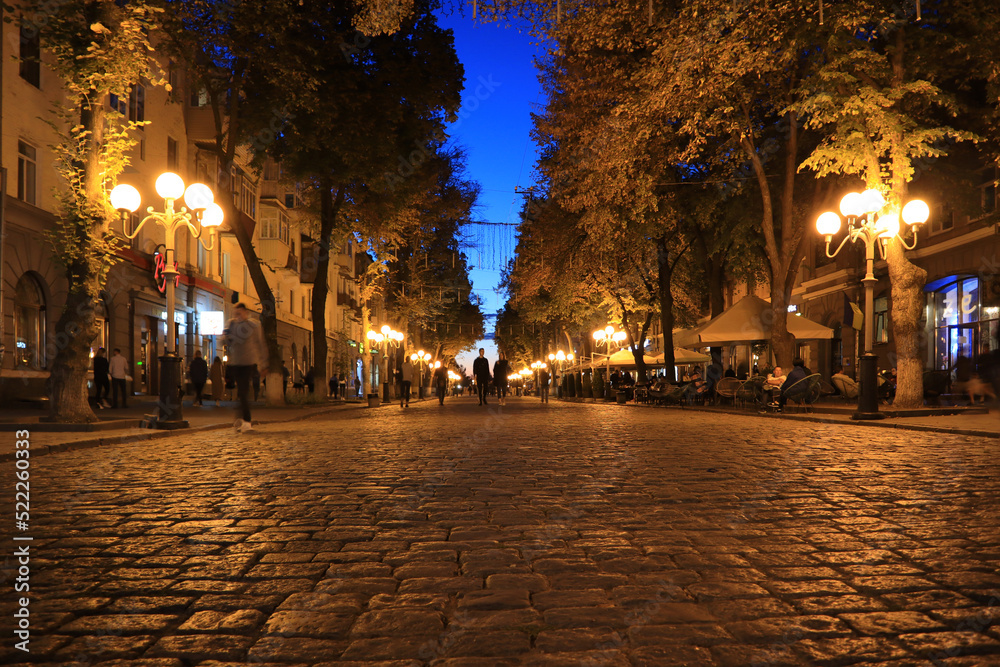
point(198, 374)
point(102, 383)
point(501, 369)
point(481, 371)
point(798, 372)
point(543, 384)
point(441, 382)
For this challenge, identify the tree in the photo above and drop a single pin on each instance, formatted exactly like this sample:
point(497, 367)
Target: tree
point(230, 58)
point(99, 49)
point(886, 101)
point(362, 108)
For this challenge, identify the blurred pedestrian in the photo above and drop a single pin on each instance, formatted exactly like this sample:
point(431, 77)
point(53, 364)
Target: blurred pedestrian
point(118, 367)
point(198, 373)
point(501, 370)
point(405, 382)
point(441, 382)
point(102, 381)
point(543, 384)
point(218, 380)
point(246, 348)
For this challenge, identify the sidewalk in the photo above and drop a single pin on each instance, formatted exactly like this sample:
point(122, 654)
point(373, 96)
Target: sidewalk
point(977, 421)
point(122, 425)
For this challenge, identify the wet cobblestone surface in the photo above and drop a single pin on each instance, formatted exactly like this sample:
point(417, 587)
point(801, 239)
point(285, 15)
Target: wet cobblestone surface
point(567, 534)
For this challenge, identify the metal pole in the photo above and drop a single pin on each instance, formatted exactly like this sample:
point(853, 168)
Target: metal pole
point(868, 396)
point(170, 416)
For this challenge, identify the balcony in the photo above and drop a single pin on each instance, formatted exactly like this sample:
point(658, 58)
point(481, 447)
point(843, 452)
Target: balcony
point(279, 256)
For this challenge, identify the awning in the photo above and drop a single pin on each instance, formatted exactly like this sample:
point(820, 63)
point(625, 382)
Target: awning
point(624, 357)
point(747, 321)
point(682, 356)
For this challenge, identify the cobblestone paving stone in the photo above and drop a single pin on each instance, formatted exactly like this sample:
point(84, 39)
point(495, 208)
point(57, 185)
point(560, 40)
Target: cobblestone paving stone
point(567, 534)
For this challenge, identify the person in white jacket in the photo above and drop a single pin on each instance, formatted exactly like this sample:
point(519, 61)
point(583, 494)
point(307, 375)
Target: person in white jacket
point(245, 347)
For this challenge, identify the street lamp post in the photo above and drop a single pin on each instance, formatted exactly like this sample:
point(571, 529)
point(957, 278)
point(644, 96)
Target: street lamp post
point(537, 367)
point(867, 222)
point(203, 214)
point(385, 339)
point(607, 336)
point(420, 358)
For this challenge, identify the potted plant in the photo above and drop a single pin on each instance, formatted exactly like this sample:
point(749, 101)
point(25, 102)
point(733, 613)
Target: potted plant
point(598, 385)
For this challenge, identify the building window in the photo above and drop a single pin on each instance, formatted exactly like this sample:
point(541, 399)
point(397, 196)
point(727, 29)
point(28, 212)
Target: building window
point(274, 224)
point(881, 307)
point(173, 159)
point(202, 260)
point(29, 324)
point(118, 104)
point(137, 103)
point(225, 269)
point(199, 98)
point(31, 54)
point(27, 170)
point(955, 315)
point(304, 311)
point(291, 302)
point(942, 219)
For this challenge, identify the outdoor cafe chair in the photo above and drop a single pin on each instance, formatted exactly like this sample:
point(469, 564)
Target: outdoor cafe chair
point(726, 389)
point(806, 391)
point(751, 392)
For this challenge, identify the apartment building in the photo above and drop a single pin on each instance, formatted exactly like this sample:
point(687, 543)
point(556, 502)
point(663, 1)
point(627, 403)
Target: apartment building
point(132, 308)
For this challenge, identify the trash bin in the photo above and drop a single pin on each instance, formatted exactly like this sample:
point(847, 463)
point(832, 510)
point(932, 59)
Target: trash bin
point(373, 400)
point(621, 397)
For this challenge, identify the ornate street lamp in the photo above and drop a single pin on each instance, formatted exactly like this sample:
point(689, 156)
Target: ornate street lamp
point(537, 367)
point(203, 215)
point(385, 339)
point(607, 336)
point(420, 358)
point(867, 222)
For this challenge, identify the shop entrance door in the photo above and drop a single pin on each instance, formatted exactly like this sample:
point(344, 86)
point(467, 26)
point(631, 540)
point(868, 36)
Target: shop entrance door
point(961, 343)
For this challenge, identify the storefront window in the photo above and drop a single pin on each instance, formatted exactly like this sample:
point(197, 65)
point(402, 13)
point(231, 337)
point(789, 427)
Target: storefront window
point(961, 326)
point(29, 324)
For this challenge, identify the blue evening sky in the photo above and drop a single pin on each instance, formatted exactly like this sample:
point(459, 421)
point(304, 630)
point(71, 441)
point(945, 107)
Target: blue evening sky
point(501, 89)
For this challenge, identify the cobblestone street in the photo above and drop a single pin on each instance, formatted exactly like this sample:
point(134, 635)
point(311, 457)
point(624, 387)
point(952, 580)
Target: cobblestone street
point(566, 534)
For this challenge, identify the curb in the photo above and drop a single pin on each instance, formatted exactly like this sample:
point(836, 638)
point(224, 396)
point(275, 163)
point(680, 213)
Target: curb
point(157, 435)
point(844, 422)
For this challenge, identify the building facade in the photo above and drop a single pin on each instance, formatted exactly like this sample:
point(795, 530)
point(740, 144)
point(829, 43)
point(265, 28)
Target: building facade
point(132, 308)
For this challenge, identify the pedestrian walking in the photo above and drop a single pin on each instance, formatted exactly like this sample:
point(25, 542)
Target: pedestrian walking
point(501, 369)
point(118, 367)
point(102, 381)
point(284, 378)
point(218, 380)
point(198, 373)
point(441, 382)
point(334, 383)
point(246, 348)
point(405, 381)
point(357, 387)
point(255, 381)
point(481, 371)
point(543, 384)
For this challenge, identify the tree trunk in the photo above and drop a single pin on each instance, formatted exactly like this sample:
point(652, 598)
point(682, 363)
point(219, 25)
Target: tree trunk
point(908, 302)
point(77, 325)
point(666, 307)
point(76, 328)
point(716, 285)
point(329, 207)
